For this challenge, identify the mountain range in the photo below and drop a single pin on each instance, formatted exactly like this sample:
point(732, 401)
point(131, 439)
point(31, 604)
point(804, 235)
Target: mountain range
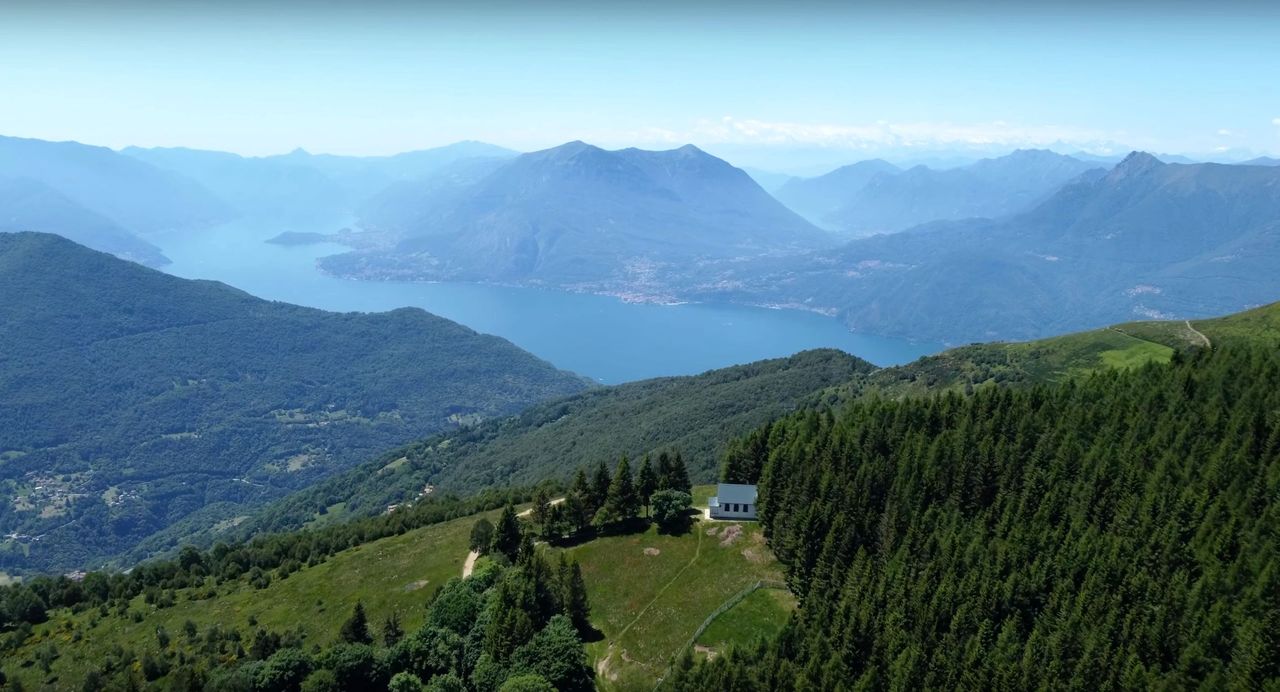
point(877, 197)
point(1146, 239)
point(99, 197)
point(130, 399)
point(579, 216)
point(302, 188)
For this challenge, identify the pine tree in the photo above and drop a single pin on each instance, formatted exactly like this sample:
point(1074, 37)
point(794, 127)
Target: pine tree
point(623, 502)
point(680, 475)
point(646, 481)
point(600, 487)
point(541, 504)
point(576, 605)
point(506, 534)
point(392, 632)
point(356, 629)
point(664, 472)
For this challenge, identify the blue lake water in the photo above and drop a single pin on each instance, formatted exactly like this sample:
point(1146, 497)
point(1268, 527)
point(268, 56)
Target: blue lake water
point(598, 336)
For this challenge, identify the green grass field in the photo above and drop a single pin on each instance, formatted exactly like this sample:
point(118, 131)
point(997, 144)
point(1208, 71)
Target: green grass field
point(649, 593)
point(760, 614)
point(395, 574)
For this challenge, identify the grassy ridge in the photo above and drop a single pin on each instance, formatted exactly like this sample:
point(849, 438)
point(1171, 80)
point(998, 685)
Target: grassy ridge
point(646, 603)
point(649, 603)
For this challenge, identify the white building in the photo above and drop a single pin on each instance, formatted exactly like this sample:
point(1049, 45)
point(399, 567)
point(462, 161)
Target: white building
point(733, 501)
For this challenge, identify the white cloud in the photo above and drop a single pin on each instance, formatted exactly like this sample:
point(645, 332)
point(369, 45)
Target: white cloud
point(1275, 121)
point(885, 135)
point(1224, 132)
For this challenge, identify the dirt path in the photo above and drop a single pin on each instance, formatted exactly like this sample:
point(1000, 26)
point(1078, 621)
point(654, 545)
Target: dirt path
point(529, 512)
point(470, 565)
point(696, 554)
point(1203, 339)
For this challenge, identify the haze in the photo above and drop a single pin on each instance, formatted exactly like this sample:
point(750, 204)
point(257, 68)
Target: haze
point(785, 88)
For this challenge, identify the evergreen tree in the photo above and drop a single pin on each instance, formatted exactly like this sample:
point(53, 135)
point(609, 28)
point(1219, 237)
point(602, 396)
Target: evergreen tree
point(621, 501)
point(576, 604)
point(506, 534)
point(600, 483)
point(665, 473)
point(356, 628)
point(392, 632)
point(541, 506)
point(646, 481)
point(680, 475)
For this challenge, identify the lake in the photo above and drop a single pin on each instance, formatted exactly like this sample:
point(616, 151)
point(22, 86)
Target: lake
point(598, 336)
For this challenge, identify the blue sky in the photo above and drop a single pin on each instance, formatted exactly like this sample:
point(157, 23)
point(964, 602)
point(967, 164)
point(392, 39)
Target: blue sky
point(761, 82)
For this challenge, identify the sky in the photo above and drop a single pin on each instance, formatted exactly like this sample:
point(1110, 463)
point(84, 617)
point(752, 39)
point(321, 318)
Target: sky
point(772, 84)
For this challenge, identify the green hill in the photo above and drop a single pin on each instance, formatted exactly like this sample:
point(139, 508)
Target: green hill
point(130, 399)
point(700, 415)
point(1069, 356)
point(649, 593)
point(1114, 532)
point(697, 415)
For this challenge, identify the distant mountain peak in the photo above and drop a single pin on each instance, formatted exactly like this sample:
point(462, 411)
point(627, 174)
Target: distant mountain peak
point(1135, 164)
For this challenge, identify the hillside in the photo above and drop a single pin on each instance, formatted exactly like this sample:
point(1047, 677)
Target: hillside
point(130, 399)
point(135, 195)
point(702, 415)
point(697, 415)
point(28, 205)
point(648, 594)
point(1148, 240)
point(1117, 533)
point(578, 216)
point(1070, 356)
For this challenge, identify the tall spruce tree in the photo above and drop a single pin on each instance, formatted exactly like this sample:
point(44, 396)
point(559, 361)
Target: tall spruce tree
point(646, 481)
point(621, 501)
point(600, 486)
point(506, 534)
point(355, 630)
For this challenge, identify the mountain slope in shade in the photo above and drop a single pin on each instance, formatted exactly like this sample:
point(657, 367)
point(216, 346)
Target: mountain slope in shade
point(130, 399)
point(1261, 161)
point(818, 198)
point(29, 205)
point(1145, 240)
point(135, 195)
point(579, 215)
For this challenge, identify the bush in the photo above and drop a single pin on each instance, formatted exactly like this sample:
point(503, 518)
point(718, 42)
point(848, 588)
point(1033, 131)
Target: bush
point(671, 506)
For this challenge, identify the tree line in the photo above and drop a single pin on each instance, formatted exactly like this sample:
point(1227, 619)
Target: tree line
point(1118, 532)
point(257, 561)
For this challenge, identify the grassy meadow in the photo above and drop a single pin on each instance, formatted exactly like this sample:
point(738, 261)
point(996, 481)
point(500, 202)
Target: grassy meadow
point(649, 593)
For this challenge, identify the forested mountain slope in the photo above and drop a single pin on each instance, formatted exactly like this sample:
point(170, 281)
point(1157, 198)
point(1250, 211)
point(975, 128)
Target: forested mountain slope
point(696, 415)
point(130, 399)
point(579, 216)
point(1113, 533)
point(1147, 240)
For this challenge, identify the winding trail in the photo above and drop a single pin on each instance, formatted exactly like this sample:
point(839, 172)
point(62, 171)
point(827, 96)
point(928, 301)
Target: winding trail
point(470, 565)
point(1204, 339)
point(529, 512)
